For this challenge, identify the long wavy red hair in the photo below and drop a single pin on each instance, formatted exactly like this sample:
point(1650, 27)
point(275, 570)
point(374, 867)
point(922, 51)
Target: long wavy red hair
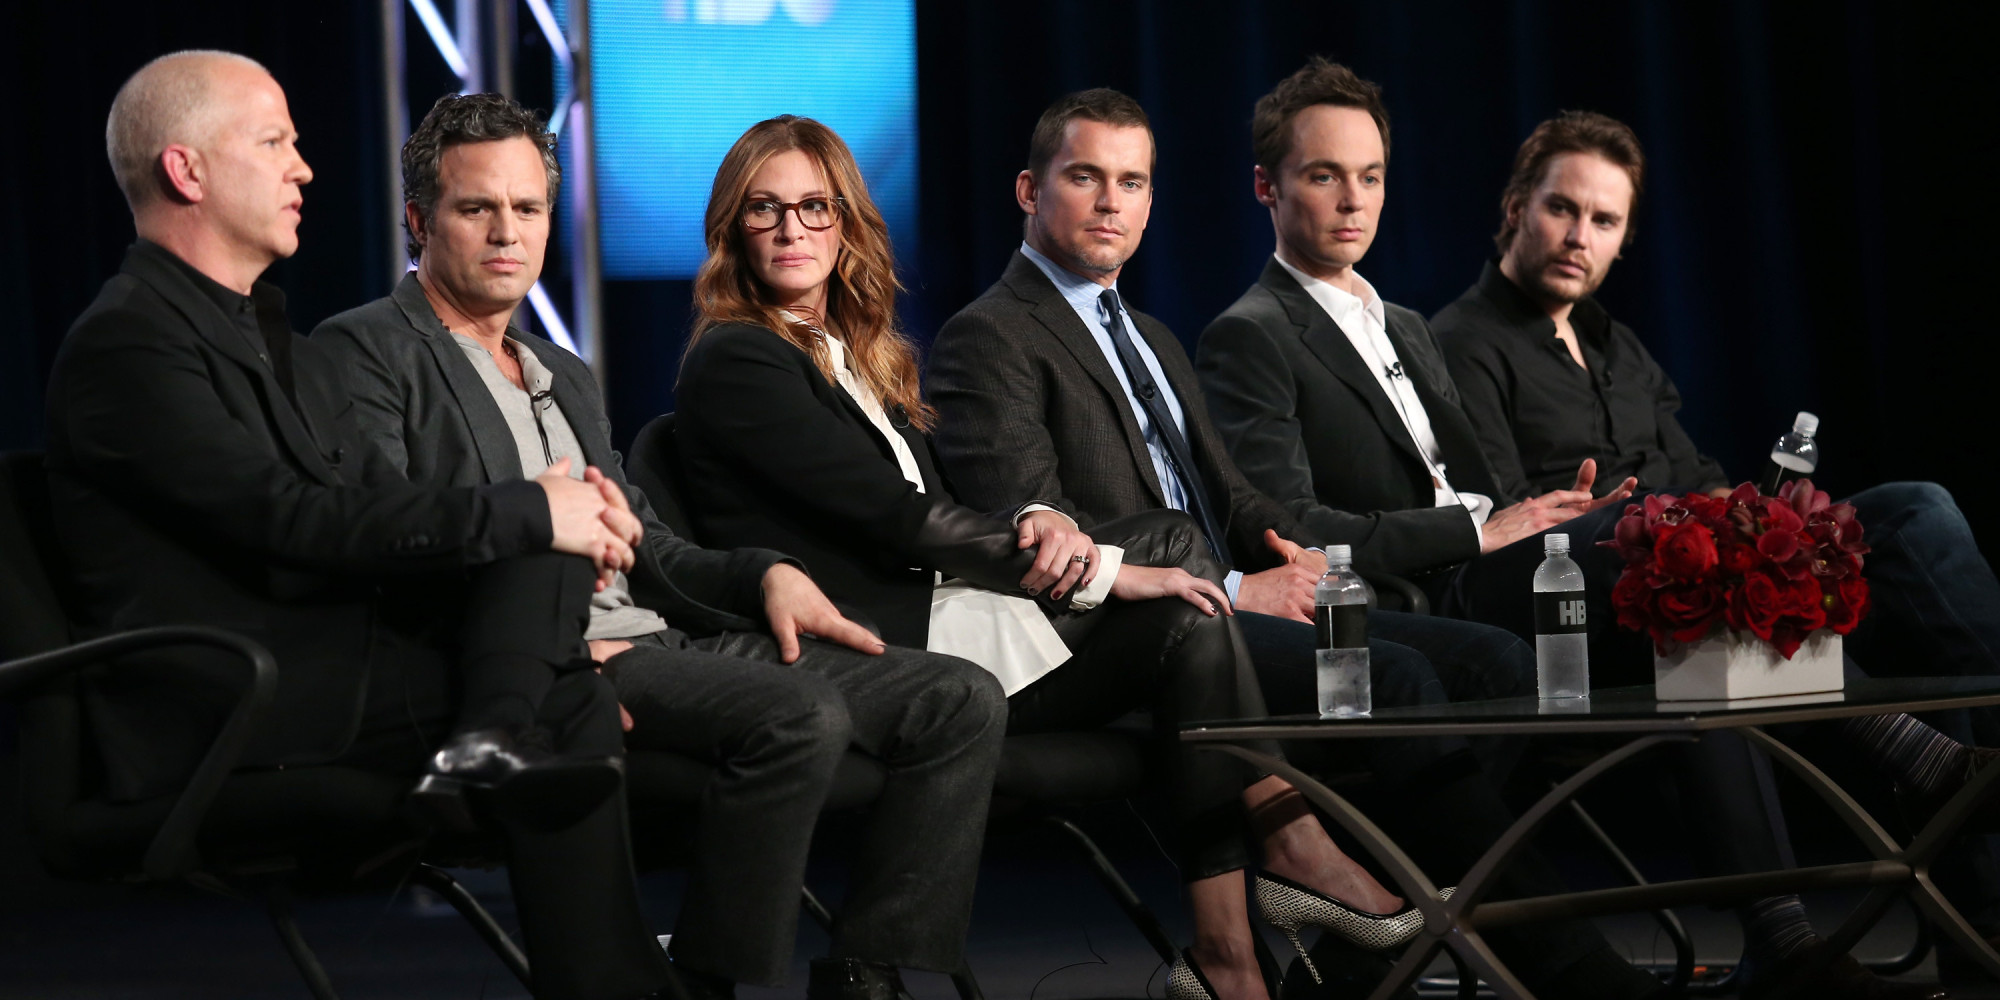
point(861, 291)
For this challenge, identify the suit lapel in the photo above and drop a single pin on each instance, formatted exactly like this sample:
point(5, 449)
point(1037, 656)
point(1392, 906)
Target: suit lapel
point(499, 460)
point(1049, 308)
point(219, 331)
point(1327, 342)
point(1464, 462)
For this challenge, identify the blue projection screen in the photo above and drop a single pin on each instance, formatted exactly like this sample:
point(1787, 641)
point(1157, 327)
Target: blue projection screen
point(678, 80)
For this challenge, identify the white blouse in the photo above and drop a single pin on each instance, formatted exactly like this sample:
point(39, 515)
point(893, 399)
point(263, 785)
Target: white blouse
point(1007, 635)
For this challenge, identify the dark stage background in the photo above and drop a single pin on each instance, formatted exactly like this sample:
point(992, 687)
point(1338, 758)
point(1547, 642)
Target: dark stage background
point(1815, 233)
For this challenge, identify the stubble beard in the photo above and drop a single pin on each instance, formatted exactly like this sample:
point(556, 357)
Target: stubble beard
point(1103, 261)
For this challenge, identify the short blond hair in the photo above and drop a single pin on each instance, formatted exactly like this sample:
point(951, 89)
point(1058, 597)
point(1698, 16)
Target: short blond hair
point(165, 102)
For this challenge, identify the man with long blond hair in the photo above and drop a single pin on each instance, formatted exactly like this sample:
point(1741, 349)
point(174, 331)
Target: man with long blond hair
point(732, 657)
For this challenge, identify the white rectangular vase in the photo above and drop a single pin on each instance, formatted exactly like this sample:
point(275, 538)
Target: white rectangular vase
point(1730, 665)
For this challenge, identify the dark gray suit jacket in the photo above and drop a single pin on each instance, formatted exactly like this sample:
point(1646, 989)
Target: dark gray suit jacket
point(421, 404)
point(1030, 409)
point(1309, 424)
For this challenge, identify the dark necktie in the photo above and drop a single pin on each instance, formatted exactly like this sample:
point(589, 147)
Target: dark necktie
point(1178, 454)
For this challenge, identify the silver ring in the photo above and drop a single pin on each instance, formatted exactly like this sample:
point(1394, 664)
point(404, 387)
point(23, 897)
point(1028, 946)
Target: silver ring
point(1080, 559)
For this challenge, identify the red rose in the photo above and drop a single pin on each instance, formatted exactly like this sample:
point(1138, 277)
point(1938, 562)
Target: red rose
point(1686, 551)
point(1754, 605)
point(1739, 558)
point(1689, 612)
point(1632, 600)
point(1804, 613)
point(1846, 604)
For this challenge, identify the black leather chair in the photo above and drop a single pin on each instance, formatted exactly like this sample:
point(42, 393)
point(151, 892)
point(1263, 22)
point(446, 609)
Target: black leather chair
point(267, 831)
point(1041, 775)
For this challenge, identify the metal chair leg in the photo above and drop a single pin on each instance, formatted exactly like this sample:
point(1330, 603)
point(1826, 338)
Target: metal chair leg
point(1919, 949)
point(815, 909)
point(440, 881)
point(1120, 890)
point(968, 987)
point(278, 902)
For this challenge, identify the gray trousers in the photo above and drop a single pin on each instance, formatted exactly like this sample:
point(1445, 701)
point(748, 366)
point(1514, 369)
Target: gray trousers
point(775, 732)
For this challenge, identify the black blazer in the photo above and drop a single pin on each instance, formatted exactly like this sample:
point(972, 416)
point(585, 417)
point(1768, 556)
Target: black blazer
point(188, 489)
point(1309, 425)
point(1030, 407)
point(422, 406)
point(775, 455)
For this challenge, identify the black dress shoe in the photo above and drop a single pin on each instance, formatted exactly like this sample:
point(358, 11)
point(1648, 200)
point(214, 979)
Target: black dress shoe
point(854, 979)
point(1845, 979)
point(515, 775)
point(1919, 807)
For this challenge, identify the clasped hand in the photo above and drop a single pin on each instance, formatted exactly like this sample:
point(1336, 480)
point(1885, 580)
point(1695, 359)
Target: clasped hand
point(1286, 590)
point(1065, 557)
point(1538, 514)
point(591, 518)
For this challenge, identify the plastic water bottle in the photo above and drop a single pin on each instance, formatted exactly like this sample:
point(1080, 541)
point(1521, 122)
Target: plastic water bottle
point(1562, 642)
point(1341, 614)
point(1795, 456)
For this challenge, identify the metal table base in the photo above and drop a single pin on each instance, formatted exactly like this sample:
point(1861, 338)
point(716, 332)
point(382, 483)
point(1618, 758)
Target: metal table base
point(1454, 925)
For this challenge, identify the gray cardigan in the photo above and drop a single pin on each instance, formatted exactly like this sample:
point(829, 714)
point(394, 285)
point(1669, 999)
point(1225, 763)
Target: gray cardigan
point(421, 405)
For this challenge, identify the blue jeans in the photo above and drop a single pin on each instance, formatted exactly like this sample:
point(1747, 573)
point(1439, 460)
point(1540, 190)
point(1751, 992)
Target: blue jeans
point(1936, 614)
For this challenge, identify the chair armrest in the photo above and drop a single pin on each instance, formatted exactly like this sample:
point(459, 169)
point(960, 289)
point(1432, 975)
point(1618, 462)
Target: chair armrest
point(172, 853)
point(1415, 601)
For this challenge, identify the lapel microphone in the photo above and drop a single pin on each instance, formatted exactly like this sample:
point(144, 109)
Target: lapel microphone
point(1393, 370)
point(899, 417)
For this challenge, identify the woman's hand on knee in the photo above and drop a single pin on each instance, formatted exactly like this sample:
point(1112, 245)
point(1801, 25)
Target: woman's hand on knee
point(1145, 583)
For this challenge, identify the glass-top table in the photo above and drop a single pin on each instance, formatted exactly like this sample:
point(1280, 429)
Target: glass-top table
point(1455, 923)
point(1616, 710)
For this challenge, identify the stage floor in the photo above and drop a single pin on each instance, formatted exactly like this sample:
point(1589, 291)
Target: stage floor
point(1042, 929)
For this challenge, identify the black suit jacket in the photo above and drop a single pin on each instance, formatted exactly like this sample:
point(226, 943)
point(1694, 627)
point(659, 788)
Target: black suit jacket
point(188, 489)
point(776, 455)
point(1309, 425)
point(1030, 407)
point(421, 405)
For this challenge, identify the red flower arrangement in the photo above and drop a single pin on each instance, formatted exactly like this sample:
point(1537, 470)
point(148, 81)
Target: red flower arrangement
point(1778, 568)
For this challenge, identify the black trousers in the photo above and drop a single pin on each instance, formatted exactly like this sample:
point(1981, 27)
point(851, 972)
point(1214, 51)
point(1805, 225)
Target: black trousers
point(1170, 657)
point(516, 657)
point(775, 732)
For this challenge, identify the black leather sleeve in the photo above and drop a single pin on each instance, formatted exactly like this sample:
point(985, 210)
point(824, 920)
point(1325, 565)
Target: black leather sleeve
point(750, 394)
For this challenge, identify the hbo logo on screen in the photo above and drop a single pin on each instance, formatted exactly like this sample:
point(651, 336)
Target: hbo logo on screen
point(806, 12)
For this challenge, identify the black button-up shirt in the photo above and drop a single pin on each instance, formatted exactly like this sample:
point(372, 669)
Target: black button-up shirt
point(1538, 414)
point(258, 316)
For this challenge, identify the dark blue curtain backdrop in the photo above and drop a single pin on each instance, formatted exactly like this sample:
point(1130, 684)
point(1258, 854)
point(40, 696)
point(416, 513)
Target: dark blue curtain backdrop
point(1815, 232)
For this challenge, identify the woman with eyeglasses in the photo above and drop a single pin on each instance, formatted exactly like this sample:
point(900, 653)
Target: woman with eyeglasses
point(802, 428)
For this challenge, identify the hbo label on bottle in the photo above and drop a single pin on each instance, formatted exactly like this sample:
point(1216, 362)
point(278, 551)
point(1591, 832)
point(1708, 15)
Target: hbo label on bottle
point(1560, 613)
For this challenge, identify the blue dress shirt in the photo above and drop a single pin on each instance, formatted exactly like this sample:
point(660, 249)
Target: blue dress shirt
point(1082, 295)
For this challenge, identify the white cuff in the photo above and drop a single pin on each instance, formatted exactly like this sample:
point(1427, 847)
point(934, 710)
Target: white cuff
point(1480, 507)
point(1033, 507)
point(1232, 583)
point(1109, 559)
